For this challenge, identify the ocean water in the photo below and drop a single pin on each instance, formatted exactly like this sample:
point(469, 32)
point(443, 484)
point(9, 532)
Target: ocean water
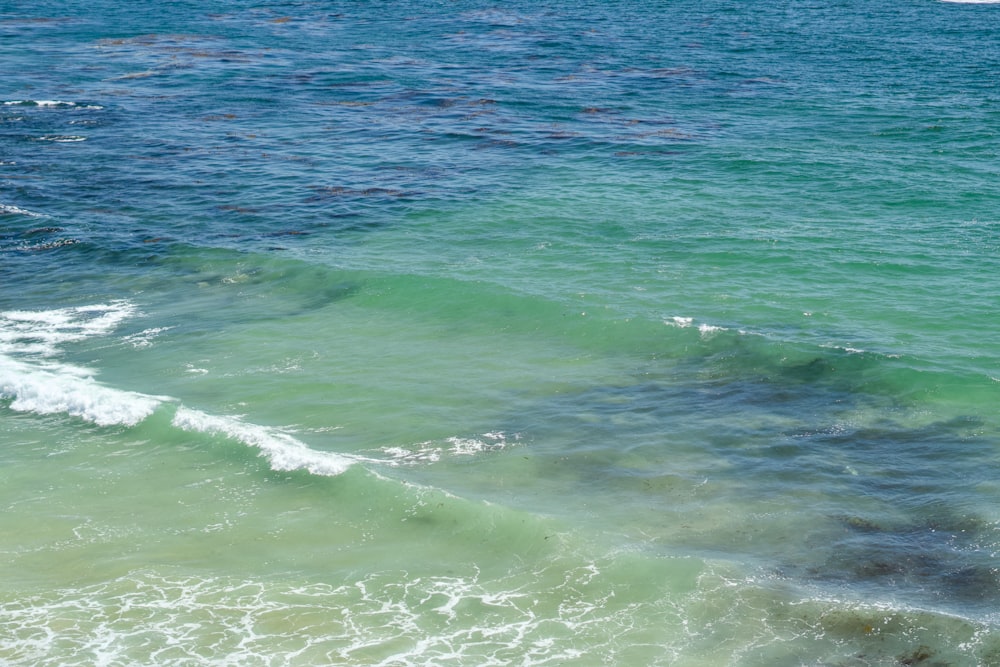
point(468, 333)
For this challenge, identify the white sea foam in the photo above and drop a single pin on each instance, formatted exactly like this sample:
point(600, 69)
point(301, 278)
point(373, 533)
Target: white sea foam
point(387, 618)
point(849, 350)
point(38, 103)
point(51, 388)
point(424, 452)
point(145, 337)
point(706, 330)
point(39, 333)
point(565, 612)
point(282, 450)
point(489, 442)
point(432, 452)
point(6, 209)
point(62, 138)
point(35, 383)
point(50, 103)
point(58, 388)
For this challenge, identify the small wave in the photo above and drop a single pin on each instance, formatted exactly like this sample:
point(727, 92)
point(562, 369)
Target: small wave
point(62, 389)
point(7, 209)
point(846, 348)
point(706, 330)
point(53, 104)
point(33, 380)
point(50, 388)
point(38, 103)
point(47, 245)
point(282, 450)
point(61, 138)
point(37, 384)
point(40, 333)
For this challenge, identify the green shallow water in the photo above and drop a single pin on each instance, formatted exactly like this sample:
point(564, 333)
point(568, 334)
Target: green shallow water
point(593, 334)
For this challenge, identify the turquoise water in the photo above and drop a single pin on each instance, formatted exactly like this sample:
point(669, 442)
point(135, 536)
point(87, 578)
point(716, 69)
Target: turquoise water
point(620, 333)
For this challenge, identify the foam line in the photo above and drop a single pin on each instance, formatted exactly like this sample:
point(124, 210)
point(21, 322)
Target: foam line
point(282, 450)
